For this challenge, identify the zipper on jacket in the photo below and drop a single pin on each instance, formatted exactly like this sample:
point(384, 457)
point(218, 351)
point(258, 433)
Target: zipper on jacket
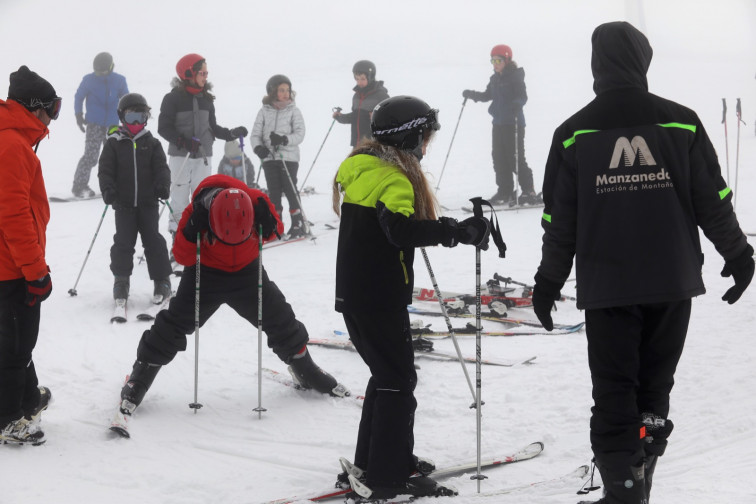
point(136, 189)
point(404, 267)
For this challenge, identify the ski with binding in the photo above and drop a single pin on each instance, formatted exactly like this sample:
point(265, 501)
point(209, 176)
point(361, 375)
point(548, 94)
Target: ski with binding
point(511, 322)
point(527, 453)
point(291, 383)
point(471, 330)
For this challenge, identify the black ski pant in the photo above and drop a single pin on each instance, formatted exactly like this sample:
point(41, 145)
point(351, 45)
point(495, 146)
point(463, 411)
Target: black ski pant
point(143, 220)
point(385, 440)
point(278, 183)
point(167, 336)
point(633, 353)
point(503, 154)
point(94, 138)
point(19, 328)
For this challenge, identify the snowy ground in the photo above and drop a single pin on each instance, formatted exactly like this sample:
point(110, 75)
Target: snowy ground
point(703, 51)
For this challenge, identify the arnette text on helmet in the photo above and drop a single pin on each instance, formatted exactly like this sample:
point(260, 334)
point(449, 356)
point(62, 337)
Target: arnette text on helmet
point(414, 123)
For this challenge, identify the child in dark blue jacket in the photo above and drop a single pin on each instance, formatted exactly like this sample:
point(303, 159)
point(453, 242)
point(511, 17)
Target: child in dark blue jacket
point(507, 94)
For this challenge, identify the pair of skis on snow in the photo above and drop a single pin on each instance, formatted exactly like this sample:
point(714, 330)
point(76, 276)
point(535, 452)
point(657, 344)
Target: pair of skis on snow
point(529, 452)
point(120, 315)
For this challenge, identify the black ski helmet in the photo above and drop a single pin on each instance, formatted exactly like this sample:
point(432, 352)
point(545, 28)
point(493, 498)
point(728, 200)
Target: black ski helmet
point(103, 63)
point(401, 121)
point(365, 67)
point(272, 86)
point(133, 101)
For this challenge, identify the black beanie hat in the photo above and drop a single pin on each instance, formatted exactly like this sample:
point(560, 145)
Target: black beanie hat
point(29, 89)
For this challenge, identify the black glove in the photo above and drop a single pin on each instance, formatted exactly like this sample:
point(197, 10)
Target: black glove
point(472, 231)
point(545, 293)
point(469, 94)
point(162, 192)
point(276, 140)
point(109, 196)
point(192, 145)
point(80, 122)
point(741, 270)
point(238, 132)
point(261, 151)
point(264, 217)
point(38, 290)
point(198, 222)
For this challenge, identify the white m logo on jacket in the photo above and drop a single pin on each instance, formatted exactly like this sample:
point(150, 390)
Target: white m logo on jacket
point(629, 150)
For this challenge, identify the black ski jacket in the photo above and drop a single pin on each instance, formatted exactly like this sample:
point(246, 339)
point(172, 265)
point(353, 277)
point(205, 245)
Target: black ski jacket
point(363, 102)
point(135, 168)
point(378, 232)
point(629, 180)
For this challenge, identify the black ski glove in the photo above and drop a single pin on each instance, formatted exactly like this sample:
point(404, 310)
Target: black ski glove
point(265, 218)
point(741, 270)
point(38, 290)
point(80, 122)
point(545, 293)
point(198, 222)
point(162, 192)
point(276, 140)
point(471, 231)
point(109, 196)
point(261, 151)
point(469, 94)
point(192, 145)
point(238, 132)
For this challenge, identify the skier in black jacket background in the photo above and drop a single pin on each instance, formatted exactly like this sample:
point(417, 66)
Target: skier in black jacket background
point(368, 93)
point(629, 179)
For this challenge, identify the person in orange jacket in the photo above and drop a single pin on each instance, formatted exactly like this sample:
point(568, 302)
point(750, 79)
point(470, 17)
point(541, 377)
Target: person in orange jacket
point(24, 275)
point(227, 215)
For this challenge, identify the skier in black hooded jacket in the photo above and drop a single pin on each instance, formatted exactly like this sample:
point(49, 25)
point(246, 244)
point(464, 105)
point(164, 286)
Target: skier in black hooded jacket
point(629, 180)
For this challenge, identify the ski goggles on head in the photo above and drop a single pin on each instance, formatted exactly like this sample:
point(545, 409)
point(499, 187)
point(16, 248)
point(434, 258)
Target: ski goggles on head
point(135, 117)
point(53, 108)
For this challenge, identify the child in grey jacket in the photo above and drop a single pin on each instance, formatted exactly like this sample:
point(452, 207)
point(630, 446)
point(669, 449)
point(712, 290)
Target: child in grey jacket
point(278, 130)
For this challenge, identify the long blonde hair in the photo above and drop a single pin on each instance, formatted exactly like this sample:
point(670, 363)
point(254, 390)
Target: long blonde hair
point(426, 205)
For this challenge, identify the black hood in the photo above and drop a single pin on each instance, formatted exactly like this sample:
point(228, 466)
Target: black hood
point(620, 58)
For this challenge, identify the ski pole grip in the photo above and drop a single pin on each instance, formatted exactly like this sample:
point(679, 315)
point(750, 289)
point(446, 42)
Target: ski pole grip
point(241, 143)
point(477, 206)
point(724, 110)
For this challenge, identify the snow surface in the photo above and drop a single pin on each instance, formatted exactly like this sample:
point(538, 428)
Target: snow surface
point(703, 51)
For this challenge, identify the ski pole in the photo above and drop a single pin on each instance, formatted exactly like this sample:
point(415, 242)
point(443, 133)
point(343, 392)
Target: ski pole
point(196, 405)
point(739, 115)
point(727, 148)
point(72, 291)
point(448, 322)
point(517, 160)
point(244, 164)
point(438, 184)
point(320, 149)
point(478, 212)
point(305, 223)
point(259, 408)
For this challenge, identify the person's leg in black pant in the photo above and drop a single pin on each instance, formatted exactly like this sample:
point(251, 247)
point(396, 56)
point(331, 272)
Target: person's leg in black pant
point(124, 239)
point(155, 247)
point(502, 152)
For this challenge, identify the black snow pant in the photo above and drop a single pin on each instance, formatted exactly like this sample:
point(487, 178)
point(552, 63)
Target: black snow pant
point(633, 353)
point(143, 220)
point(503, 154)
point(385, 441)
point(19, 328)
point(94, 138)
point(278, 183)
point(167, 336)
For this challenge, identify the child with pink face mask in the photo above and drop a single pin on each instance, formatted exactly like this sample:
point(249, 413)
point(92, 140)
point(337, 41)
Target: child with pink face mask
point(134, 175)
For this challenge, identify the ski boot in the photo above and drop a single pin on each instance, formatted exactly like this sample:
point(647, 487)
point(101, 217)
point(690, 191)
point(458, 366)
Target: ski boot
point(139, 382)
point(658, 430)
point(162, 291)
point(626, 486)
point(499, 198)
point(83, 192)
point(21, 431)
point(121, 287)
point(45, 397)
point(415, 487)
point(310, 376)
point(297, 229)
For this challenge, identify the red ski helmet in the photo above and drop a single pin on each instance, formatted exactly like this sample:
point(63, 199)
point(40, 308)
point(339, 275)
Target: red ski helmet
point(188, 66)
point(232, 216)
point(502, 51)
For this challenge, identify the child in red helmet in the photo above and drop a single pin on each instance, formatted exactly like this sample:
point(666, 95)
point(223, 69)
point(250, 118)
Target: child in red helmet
point(187, 122)
point(227, 215)
point(507, 94)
